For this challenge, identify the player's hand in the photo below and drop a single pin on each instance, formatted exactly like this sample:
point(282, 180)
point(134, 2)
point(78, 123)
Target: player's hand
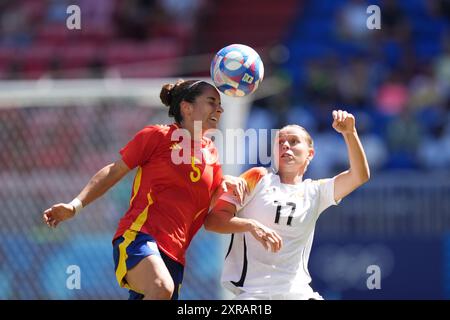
point(58, 213)
point(237, 185)
point(266, 236)
point(343, 122)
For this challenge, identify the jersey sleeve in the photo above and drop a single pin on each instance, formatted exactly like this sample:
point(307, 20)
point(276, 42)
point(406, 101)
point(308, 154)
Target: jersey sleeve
point(326, 194)
point(252, 177)
point(139, 150)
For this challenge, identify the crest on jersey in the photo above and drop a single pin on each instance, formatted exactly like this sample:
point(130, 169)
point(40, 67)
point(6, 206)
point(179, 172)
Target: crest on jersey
point(209, 157)
point(175, 146)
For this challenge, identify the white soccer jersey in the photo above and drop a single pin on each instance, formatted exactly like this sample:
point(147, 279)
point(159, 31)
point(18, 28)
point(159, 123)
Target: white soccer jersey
point(250, 271)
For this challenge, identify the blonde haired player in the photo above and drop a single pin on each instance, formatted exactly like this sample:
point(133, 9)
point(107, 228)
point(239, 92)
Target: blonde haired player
point(281, 203)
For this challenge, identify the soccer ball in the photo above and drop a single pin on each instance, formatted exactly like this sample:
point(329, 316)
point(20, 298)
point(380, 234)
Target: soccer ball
point(237, 70)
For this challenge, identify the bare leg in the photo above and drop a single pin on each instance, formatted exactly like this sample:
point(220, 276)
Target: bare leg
point(151, 277)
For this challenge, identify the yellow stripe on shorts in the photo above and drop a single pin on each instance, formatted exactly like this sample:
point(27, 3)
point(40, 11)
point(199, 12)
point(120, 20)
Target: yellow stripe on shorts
point(129, 236)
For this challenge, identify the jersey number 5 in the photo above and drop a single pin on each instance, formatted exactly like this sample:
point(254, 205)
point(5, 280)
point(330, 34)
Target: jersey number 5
point(280, 206)
point(195, 174)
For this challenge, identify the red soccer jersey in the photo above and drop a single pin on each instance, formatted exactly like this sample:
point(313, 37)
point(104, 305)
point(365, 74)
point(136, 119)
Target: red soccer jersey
point(169, 201)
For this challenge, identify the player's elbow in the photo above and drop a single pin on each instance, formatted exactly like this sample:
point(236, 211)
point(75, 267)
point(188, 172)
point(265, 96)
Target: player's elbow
point(364, 176)
point(217, 221)
point(367, 176)
point(212, 223)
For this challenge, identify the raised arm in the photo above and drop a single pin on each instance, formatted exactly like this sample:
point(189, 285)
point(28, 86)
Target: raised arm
point(101, 182)
point(222, 219)
point(359, 172)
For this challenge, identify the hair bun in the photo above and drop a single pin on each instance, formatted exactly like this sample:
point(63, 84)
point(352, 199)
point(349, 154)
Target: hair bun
point(166, 94)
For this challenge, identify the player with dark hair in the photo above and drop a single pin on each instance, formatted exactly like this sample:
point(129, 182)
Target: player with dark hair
point(169, 200)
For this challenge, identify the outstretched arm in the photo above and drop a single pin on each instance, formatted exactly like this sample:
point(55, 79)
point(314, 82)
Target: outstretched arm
point(222, 219)
point(359, 172)
point(101, 182)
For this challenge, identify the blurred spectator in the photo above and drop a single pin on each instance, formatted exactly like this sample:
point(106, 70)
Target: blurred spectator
point(394, 21)
point(394, 39)
point(392, 95)
point(57, 11)
point(403, 137)
point(54, 68)
point(424, 90)
point(183, 16)
point(14, 24)
point(321, 79)
point(353, 82)
point(182, 12)
point(442, 68)
point(134, 19)
point(130, 20)
point(96, 68)
point(409, 65)
point(437, 143)
point(438, 9)
point(351, 21)
point(14, 70)
point(374, 146)
point(97, 13)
